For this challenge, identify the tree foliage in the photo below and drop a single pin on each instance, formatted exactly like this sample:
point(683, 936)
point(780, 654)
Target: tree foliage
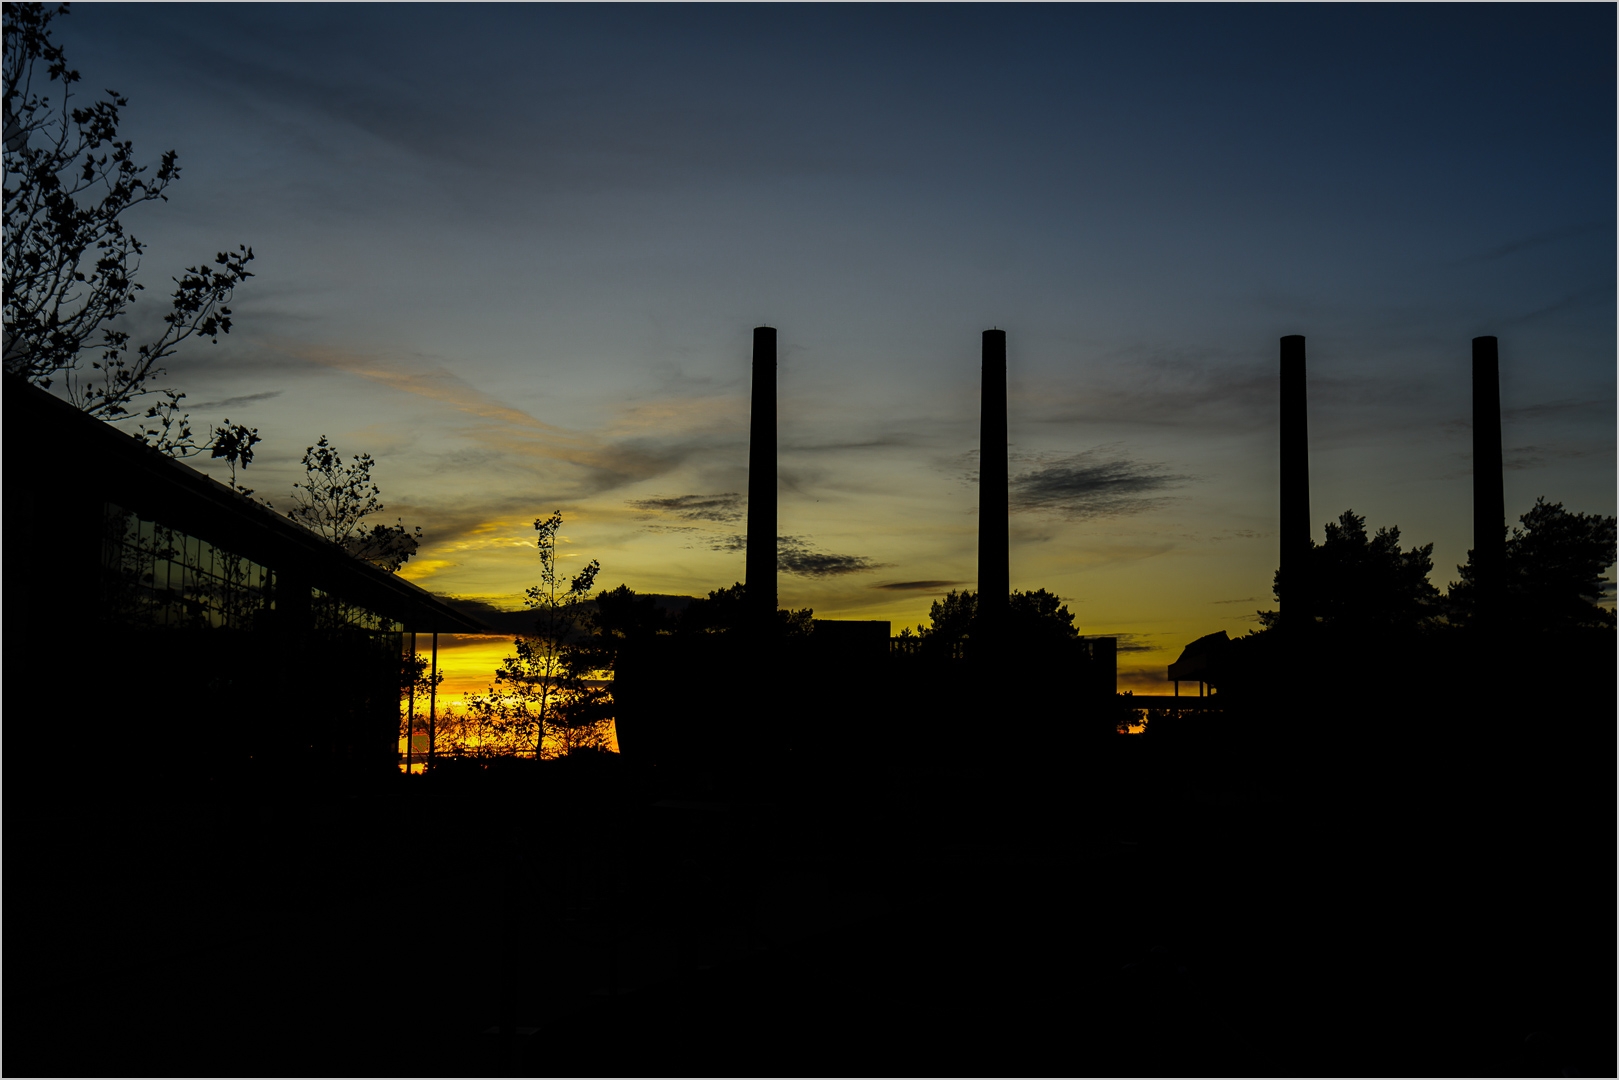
point(620, 614)
point(725, 610)
point(387, 546)
point(70, 263)
point(620, 617)
point(721, 610)
point(1554, 564)
point(950, 620)
point(418, 685)
point(234, 444)
point(481, 729)
point(1362, 583)
point(1033, 619)
point(1039, 617)
point(335, 499)
point(545, 689)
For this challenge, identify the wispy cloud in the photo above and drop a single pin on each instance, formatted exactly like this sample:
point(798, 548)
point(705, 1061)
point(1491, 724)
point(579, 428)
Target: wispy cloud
point(726, 506)
point(1536, 457)
point(1093, 483)
point(1528, 243)
point(1128, 643)
point(510, 431)
point(1550, 409)
point(1162, 387)
point(241, 399)
point(1570, 301)
point(795, 556)
point(882, 441)
point(916, 586)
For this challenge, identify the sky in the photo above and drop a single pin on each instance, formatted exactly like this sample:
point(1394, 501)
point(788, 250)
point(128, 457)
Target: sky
point(516, 253)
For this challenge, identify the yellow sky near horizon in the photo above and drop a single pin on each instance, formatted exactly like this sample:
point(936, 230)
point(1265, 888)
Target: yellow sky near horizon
point(468, 663)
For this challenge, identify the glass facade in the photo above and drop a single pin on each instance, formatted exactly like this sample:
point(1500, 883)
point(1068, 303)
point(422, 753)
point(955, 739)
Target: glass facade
point(158, 576)
point(332, 613)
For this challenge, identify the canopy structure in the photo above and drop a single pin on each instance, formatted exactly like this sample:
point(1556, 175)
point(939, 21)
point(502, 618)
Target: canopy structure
point(1200, 661)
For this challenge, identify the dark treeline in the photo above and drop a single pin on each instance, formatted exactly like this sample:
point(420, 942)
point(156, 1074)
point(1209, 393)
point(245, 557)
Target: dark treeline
point(1370, 630)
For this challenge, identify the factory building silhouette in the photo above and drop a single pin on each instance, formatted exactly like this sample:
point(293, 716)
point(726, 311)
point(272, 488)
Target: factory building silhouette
point(760, 687)
point(1210, 659)
point(141, 542)
point(678, 698)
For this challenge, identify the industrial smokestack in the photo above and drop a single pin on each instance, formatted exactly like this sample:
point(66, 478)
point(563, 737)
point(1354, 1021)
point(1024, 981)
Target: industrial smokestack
point(1295, 461)
point(994, 548)
point(1489, 502)
point(761, 558)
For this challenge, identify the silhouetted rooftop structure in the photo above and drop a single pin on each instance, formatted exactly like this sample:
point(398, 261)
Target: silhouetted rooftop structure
point(98, 475)
point(755, 689)
point(1200, 661)
point(169, 599)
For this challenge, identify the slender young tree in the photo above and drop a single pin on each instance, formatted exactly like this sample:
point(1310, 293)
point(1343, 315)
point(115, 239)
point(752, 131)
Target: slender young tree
point(541, 678)
point(335, 498)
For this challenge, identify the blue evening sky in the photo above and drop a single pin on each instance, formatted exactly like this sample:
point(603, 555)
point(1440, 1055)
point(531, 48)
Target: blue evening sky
point(516, 252)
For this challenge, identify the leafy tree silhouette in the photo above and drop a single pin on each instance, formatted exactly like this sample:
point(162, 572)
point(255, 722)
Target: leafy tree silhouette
point(1034, 619)
point(1365, 584)
point(70, 262)
point(1039, 617)
point(620, 617)
point(951, 622)
point(721, 610)
point(1554, 567)
point(725, 610)
point(234, 443)
point(334, 499)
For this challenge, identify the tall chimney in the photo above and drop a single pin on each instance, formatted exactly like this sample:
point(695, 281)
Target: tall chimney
point(1489, 502)
point(994, 548)
point(1295, 461)
point(761, 557)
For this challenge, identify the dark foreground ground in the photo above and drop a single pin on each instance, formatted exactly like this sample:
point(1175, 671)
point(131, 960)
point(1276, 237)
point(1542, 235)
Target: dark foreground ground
point(1142, 913)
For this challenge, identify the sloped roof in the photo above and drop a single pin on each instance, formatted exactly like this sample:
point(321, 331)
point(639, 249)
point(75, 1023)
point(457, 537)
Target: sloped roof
point(1199, 659)
point(105, 464)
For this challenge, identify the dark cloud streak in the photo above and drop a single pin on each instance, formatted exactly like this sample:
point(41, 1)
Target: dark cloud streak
point(820, 564)
point(241, 399)
point(1539, 240)
point(725, 506)
point(1093, 484)
point(795, 556)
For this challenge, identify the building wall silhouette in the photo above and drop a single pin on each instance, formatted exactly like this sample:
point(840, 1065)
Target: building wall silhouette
point(187, 630)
